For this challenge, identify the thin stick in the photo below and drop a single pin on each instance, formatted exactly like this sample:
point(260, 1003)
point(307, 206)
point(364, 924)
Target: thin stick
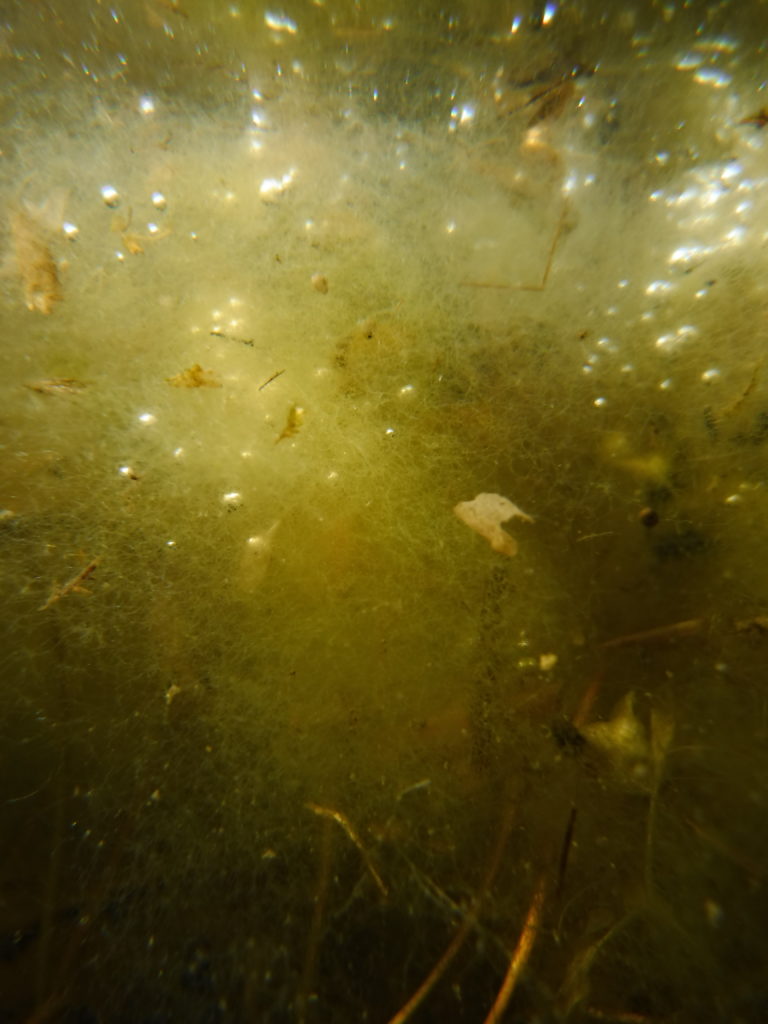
point(541, 286)
point(469, 922)
point(685, 628)
point(520, 955)
point(565, 853)
point(550, 257)
point(275, 375)
point(346, 824)
point(73, 586)
point(319, 900)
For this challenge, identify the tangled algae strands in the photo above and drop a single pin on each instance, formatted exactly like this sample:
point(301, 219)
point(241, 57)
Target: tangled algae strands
point(288, 733)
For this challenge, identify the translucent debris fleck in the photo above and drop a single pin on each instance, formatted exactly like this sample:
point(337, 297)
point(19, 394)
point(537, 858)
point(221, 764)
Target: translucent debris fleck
point(320, 283)
point(485, 514)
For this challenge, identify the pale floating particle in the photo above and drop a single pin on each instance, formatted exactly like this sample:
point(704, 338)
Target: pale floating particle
point(485, 514)
point(70, 230)
point(272, 187)
point(320, 283)
point(623, 737)
point(232, 499)
point(110, 195)
point(714, 913)
point(256, 557)
point(159, 201)
point(547, 662)
point(147, 105)
point(172, 691)
point(280, 22)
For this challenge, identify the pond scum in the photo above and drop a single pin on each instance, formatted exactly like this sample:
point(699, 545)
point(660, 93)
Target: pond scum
point(304, 719)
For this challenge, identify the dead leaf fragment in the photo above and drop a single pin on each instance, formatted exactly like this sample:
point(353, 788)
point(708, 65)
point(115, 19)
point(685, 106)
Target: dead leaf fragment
point(292, 423)
point(485, 514)
point(194, 377)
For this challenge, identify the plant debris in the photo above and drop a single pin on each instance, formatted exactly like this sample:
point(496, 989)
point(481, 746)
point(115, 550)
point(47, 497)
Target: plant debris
point(194, 377)
point(58, 386)
point(293, 422)
point(485, 514)
point(73, 586)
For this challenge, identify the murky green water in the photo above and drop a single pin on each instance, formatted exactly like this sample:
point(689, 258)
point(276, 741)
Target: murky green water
point(295, 727)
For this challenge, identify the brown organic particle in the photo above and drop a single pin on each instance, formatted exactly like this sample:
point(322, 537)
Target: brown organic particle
point(292, 423)
point(35, 262)
point(73, 586)
point(757, 120)
point(194, 377)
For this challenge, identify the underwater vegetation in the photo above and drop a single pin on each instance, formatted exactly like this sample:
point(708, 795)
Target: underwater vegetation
point(304, 718)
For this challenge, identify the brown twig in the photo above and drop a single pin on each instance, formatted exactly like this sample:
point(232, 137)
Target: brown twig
point(467, 925)
point(73, 586)
point(520, 955)
point(346, 824)
point(688, 627)
point(319, 901)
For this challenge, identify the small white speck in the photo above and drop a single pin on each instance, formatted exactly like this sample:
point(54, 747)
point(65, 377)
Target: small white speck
point(280, 23)
point(147, 417)
point(159, 201)
point(110, 195)
point(147, 105)
point(712, 76)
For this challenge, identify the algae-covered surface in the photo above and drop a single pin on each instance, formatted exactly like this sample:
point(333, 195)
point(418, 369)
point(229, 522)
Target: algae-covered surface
point(384, 483)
